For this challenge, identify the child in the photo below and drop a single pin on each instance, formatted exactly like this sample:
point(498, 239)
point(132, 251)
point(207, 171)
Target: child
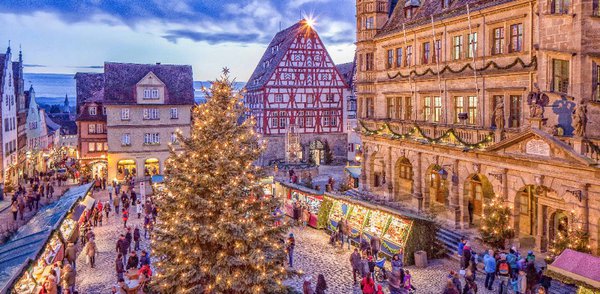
point(408, 281)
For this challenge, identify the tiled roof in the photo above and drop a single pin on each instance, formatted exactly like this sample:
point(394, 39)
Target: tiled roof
point(428, 8)
point(121, 79)
point(347, 72)
point(274, 54)
point(87, 84)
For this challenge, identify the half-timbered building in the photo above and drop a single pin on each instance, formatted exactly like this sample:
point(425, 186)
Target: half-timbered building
point(297, 86)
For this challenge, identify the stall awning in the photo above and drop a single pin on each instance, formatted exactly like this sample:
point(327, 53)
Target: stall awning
point(578, 266)
point(88, 202)
point(354, 171)
point(31, 237)
point(77, 212)
point(157, 179)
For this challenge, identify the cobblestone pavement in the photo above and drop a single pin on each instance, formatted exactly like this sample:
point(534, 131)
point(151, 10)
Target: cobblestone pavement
point(313, 255)
point(101, 278)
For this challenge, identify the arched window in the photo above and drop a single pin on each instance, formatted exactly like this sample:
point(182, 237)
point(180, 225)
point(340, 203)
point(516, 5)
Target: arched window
point(126, 169)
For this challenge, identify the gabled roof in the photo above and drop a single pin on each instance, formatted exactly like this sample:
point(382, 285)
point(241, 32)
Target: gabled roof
point(347, 71)
point(87, 85)
point(274, 54)
point(120, 80)
point(578, 266)
point(428, 8)
point(569, 152)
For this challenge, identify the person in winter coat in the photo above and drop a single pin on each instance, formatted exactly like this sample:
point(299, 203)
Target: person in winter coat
point(122, 247)
point(355, 263)
point(291, 243)
point(49, 285)
point(107, 209)
point(397, 263)
point(371, 263)
point(306, 286)
point(467, 254)
point(116, 203)
point(119, 268)
point(128, 238)
point(132, 261)
point(110, 191)
point(144, 258)
point(136, 238)
point(14, 208)
point(454, 276)
point(368, 285)
point(305, 216)
point(395, 283)
point(365, 266)
point(125, 217)
point(460, 247)
point(90, 252)
point(379, 289)
point(139, 209)
point(450, 288)
point(522, 280)
point(375, 245)
point(504, 272)
point(68, 278)
point(346, 232)
point(489, 267)
point(321, 285)
point(408, 281)
point(71, 254)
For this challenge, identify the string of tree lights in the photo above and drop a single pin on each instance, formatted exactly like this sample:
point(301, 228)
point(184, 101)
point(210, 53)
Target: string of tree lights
point(215, 231)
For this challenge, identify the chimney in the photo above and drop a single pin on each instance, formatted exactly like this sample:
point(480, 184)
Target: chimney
point(158, 63)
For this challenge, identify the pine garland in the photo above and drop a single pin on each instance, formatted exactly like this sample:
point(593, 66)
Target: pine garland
point(467, 66)
point(417, 133)
point(215, 231)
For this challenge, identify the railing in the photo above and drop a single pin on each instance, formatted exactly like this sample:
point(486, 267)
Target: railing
point(462, 135)
point(590, 147)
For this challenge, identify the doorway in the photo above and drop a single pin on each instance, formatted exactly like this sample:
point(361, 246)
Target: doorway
point(317, 152)
point(527, 211)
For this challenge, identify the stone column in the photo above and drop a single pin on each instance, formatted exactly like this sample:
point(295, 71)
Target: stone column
point(363, 185)
point(584, 208)
point(541, 236)
point(578, 145)
point(417, 191)
point(455, 207)
point(389, 177)
point(505, 184)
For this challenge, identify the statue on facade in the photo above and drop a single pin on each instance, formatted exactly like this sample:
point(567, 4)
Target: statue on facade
point(499, 116)
point(579, 120)
point(537, 101)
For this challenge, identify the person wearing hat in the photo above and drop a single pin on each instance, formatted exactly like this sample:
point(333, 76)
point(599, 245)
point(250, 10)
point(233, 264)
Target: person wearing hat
point(306, 286)
point(530, 257)
point(291, 243)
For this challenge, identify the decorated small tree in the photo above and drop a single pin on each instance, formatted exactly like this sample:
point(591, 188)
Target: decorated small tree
point(574, 238)
point(495, 224)
point(215, 232)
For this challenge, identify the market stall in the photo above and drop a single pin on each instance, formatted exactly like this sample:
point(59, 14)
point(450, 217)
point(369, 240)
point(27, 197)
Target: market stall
point(23, 259)
point(302, 196)
point(268, 186)
point(577, 268)
point(356, 220)
point(158, 183)
point(397, 230)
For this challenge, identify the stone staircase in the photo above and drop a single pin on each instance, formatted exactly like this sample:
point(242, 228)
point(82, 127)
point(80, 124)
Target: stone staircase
point(449, 239)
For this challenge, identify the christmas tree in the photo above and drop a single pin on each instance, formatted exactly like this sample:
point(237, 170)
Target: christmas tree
point(495, 223)
point(575, 238)
point(214, 232)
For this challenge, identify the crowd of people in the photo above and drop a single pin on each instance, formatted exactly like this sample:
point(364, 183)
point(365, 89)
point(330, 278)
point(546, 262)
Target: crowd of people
point(30, 192)
point(515, 273)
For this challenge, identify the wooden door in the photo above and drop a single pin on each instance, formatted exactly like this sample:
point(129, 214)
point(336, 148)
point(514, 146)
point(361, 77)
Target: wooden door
point(477, 197)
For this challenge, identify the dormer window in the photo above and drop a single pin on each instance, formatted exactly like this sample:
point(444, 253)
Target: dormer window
point(92, 110)
point(408, 12)
point(151, 93)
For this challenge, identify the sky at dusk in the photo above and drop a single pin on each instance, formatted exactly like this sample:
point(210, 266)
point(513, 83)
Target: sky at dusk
point(68, 36)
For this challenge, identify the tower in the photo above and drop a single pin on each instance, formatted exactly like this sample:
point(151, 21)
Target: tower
point(66, 104)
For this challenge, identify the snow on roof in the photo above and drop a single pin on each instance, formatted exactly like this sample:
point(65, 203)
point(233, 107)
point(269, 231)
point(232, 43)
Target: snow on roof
point(578, 266)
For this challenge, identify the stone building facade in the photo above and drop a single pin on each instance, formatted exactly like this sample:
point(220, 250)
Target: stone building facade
point(145, 105)
point(461, 100)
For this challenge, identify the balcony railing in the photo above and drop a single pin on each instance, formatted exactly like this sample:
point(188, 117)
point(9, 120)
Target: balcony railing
point(453, 135)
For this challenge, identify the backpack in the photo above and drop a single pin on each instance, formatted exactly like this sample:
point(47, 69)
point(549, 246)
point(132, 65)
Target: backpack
point(503, 269)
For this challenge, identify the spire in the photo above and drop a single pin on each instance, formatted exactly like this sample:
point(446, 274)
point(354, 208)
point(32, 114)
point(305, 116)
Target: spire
point(20, 55)
point(66, 104)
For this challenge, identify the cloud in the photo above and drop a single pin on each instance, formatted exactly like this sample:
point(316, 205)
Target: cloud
point(88, 66)
point(300, 3)
point(212, 38)
point(34, 65)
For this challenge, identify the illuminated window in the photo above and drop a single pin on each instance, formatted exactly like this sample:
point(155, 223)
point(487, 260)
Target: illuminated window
point(437, 109)
point(560, 75)
point(515, 111)
point(459, 107)
point(426, 108)
point(560, 6)
point(391, 107)
point(472, 110)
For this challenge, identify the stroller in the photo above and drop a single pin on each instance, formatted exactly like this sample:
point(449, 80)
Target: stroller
point(380, 271)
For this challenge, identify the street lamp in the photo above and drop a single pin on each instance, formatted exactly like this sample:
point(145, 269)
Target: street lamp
point(358, 156)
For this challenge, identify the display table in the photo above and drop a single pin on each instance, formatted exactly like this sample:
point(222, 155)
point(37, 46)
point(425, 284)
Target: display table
point(132, 281)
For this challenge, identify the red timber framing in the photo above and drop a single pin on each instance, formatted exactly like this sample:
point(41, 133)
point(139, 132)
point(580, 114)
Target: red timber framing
point(300, 85)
